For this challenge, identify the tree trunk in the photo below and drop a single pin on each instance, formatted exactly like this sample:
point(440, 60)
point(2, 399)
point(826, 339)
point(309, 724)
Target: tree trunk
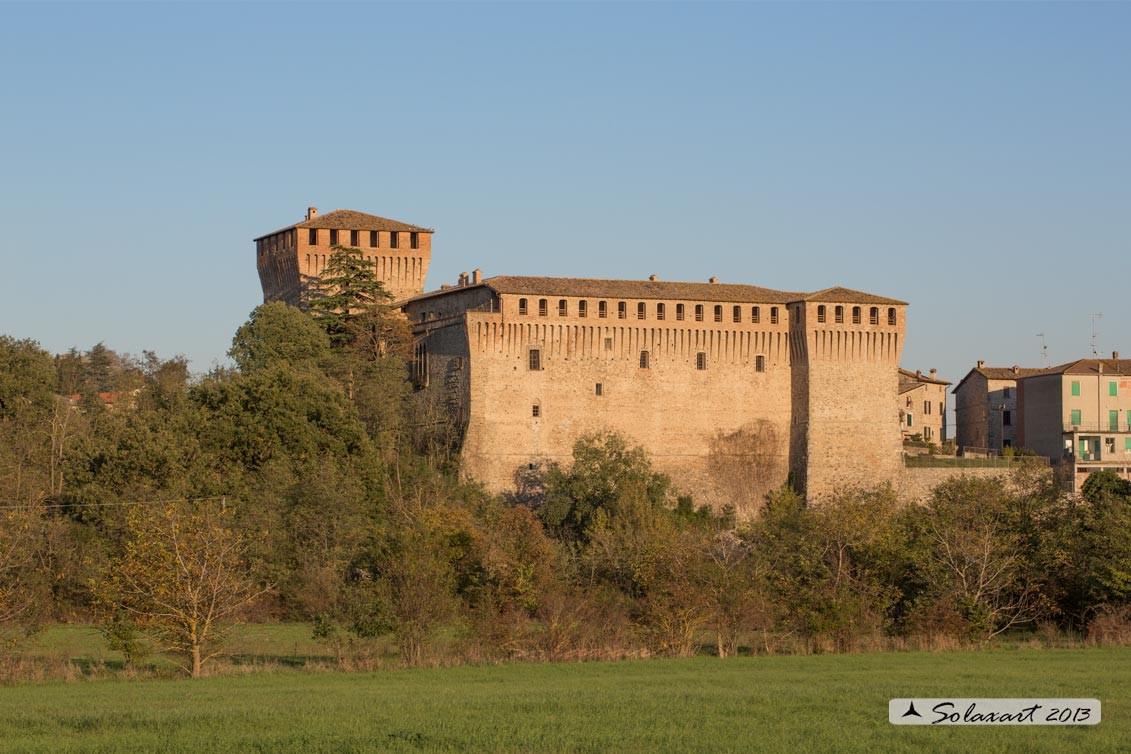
point(196, 661)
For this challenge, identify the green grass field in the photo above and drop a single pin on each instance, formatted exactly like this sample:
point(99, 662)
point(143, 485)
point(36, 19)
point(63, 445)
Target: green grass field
point(816, 703)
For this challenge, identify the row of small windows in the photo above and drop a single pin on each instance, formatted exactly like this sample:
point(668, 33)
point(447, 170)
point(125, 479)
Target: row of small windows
point(534, 359)
point(838, 315)
point(642, 311)
point(374, 238)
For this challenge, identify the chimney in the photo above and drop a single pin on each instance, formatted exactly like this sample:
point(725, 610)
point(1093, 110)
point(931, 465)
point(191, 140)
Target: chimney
point(1016, 369)
point(311, 213)
point(476, 276)
point(713, 280)
point(934, 374)
point(652, 278)
point(981, 363)
point(1101, 367)
point(1115, 355)
point(918, 374)
point(462, 279)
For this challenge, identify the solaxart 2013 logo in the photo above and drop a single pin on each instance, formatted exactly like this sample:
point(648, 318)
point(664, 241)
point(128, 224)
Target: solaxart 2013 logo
point(994, 711)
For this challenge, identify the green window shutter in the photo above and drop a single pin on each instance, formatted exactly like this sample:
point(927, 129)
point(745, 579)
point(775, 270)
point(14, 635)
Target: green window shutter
point(1113, 420)
point(1112, 388)
point(1083, 448)
point(1127, 444)
point(1076, 387)
point(1076, 417)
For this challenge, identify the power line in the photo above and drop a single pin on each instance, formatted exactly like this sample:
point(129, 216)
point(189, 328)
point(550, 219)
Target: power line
point(10, 505)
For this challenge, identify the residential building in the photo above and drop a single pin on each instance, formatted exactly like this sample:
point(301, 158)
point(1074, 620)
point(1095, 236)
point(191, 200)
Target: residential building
point(985, 408)
point(1079, 416)
point(922, 406)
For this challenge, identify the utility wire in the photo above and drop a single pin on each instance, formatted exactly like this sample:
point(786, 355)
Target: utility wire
point(10, 505)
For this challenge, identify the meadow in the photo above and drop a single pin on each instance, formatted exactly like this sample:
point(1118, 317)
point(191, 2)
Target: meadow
point(768, 703)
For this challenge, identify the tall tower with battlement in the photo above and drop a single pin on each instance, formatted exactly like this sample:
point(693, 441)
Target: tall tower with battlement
point(289, 257)
point(844, 357)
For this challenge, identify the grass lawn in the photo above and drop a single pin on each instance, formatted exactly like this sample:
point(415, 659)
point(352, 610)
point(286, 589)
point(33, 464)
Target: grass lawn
point(787, 704)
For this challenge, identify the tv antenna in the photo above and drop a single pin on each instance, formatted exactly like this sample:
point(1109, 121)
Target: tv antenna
point(1044, 349)
point(1095, 332)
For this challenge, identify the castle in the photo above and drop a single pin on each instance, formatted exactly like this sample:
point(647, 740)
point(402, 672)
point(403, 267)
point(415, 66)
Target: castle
point(731, 389)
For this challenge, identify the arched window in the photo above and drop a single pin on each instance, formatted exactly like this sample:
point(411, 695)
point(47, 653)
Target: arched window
point(563, 307)
point(718, 313)
point(522, 306)
point(660, 309)
point(891, 316)
point(759, 363)
point(698, 312)
point(773, 315)
point(874, 316)
point(622, 309)
point(582, 308)
point(602, 309)
point(543, 308)
point(737, 314)
point(641, 310)
point(856, 315)
point(821, 313)
point(645, 360)
point(756, 314)
point(839, 314)
point(679, 312)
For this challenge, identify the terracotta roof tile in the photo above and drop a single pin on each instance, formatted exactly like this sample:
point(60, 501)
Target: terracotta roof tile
point(348, 219)
point(847, 294)
point(646, 289)
point(1087, 366)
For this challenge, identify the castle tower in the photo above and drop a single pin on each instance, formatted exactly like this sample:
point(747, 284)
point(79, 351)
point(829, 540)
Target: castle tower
point(289, 257)
point(845, 347)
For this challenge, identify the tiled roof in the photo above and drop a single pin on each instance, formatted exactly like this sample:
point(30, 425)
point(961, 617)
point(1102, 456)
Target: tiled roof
point(1087, 366)
point(906, 375)
point(847, 294)
point(655, 289)
point(348, 219)
point(999, 373)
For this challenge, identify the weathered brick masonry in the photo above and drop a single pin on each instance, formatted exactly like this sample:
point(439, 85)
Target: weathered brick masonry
point(729, 388)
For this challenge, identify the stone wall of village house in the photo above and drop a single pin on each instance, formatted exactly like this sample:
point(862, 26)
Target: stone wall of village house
point(925, 405)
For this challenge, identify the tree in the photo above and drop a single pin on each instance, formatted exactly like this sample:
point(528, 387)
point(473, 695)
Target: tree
point(21, 532)
point(604, 469)
point(183, 576)
point(347, 288)
point(277, 333)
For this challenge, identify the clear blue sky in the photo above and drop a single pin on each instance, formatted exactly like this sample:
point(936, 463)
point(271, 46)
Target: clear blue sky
point(972, 159)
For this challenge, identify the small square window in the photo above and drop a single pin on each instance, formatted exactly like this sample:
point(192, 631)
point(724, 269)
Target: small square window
point(353, 238)
point(608, 344)
point(312, 237)
point(394, 239)
point(374, 238)
point(414, 240)
point(759, 363)
point(645, 360)
point(535, 410)
point(333, 237)
point(701, 361)
point(535, 360)
point(599, 389)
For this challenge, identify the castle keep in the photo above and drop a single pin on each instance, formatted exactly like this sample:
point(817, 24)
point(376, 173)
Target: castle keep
point(731, 389)
point(290, 256)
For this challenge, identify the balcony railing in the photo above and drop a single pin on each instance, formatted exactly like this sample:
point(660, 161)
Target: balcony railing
point(1092, 428)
